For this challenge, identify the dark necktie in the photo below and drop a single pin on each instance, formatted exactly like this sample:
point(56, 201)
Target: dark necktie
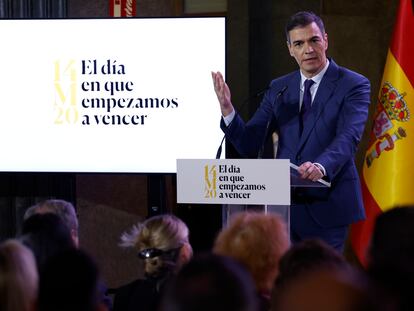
point(306, 104)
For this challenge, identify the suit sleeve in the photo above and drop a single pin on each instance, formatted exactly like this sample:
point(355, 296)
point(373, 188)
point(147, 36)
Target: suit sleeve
point(248, 137)
point(350, 126)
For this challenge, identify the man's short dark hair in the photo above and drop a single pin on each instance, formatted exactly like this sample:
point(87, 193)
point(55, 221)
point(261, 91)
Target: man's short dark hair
point(303, 19)
point(64, 209)
point(306, 256)
point(211, 282)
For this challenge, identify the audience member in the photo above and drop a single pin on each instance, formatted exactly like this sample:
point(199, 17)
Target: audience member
point(306, 256)
point(315, 276)
point(64, 209)
point(163, 244)
point(391, 257)
point(18, 277)
point(45, 235)
point(325, 289)
point(67, 214)
point(211, 282)
point(256, 240)
point(70, 281)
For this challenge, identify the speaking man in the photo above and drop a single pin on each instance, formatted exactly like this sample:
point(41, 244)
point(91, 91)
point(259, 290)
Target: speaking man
point(319, 113)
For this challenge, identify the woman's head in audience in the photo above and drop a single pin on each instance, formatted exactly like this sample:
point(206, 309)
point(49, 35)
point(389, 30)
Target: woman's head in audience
point(162, 243)
point(18, 277)
point(257, 241)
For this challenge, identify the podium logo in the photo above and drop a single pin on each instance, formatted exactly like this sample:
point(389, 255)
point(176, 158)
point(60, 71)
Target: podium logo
point(65, 92)
point(210, 181)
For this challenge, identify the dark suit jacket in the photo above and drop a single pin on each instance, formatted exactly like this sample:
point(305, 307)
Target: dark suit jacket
point(330, 137)
point(141, 294)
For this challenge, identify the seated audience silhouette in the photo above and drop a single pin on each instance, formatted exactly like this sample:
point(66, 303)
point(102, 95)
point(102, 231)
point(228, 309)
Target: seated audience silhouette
point(45, 235)
point(162, 242)
point(67, 215)
point(18, 277)
point(70, 281)
point(313, 276)
point(325, 289)
point(64, 209)
point(391, 258)
point(211, 282)
point(305, 256)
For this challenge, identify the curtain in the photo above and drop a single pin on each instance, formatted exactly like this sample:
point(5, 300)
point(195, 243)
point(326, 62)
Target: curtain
point(18, 191)
point(33, 8)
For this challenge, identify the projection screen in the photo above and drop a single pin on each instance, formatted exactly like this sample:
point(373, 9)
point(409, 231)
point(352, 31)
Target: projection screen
point(109, 95)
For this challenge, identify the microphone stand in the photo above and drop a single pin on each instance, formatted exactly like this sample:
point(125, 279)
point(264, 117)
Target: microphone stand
point(261, 150)
point(257, 94)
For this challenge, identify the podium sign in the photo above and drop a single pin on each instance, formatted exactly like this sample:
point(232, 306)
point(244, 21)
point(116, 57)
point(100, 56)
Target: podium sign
point(233, 181)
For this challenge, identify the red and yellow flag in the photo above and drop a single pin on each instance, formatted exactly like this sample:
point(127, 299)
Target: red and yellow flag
point(122, 8)
point(388, 171)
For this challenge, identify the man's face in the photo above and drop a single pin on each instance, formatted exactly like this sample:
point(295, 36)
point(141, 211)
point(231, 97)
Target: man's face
point(308, 46)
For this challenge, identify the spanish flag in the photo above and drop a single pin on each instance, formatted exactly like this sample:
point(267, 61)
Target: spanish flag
point(388, 170)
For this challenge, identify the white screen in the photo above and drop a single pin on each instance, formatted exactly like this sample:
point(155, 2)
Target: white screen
point(59, 76)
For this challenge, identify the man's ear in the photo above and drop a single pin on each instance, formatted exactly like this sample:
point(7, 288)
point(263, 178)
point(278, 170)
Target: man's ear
point(185, 255)
point(289, 46)
point(75, 238)
point(325, 36)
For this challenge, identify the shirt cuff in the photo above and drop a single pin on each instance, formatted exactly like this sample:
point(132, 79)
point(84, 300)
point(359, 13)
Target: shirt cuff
point(229, 118)
point(320, 166)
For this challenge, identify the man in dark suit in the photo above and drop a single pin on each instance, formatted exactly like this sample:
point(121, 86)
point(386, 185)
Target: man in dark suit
point(319, 113)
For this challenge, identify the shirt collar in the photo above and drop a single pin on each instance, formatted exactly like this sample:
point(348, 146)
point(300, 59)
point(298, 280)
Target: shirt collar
point(317, 79)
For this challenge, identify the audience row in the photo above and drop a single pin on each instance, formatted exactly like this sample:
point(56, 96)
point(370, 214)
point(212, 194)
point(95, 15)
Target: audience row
point(251, 267)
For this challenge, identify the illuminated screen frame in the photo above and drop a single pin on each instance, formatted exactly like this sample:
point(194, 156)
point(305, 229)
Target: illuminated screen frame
point(109, 95)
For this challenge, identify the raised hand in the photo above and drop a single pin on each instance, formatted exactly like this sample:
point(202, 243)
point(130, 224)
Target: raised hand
point(223, 93)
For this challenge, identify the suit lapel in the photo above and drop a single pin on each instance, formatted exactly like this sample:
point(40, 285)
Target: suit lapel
point(325, 91)
point(290, 112)
point(293, 93)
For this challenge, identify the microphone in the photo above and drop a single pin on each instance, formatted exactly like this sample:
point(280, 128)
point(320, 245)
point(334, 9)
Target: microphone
point(282, 90)
point(248, 99)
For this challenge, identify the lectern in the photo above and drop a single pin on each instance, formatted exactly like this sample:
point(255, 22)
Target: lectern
point(240, 184)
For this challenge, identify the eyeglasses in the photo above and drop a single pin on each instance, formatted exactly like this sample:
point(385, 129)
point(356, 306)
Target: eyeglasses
point(156, 252)
point(150, 253)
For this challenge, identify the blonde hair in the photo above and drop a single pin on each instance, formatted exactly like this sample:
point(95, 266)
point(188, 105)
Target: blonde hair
point(258, 241)
point(18, 277)
point(164, 232)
